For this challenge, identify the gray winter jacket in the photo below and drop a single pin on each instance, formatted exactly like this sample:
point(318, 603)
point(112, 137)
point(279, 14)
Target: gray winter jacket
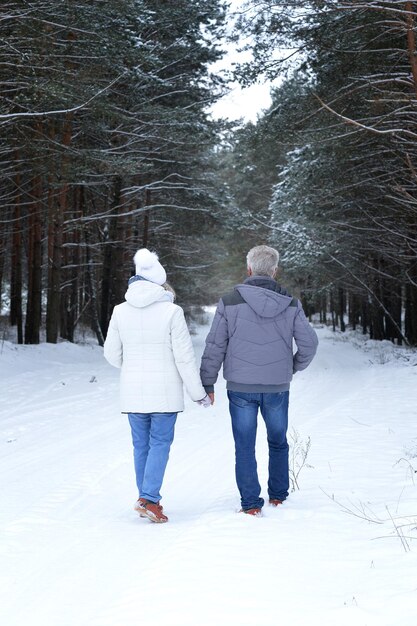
point(252, 335)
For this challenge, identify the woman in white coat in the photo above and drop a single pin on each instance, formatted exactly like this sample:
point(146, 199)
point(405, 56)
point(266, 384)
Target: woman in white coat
point(149, 340)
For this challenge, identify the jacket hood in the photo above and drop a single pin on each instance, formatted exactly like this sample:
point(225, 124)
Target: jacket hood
point(264, 296)
point(143, 293)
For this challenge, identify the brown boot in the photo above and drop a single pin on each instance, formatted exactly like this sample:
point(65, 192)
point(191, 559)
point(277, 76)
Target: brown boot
point(152, 510)
point(257, 512)
point(274, 502)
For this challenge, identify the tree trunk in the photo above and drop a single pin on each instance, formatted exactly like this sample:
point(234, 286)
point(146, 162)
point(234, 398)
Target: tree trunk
point(91, 282)
point(353, 310)
point(54, 286)
point(332, 312)
point(107, 285)
point(120, 273)
point(70, 303)
point(323, 308)
point(411, 310)
point(3, 248)
point(377, 329)
point(393, 304)
point(411, 42)
point(342, 309)
point(364, 315)
point(16, 317)
point(34, 304)
point(145, 239)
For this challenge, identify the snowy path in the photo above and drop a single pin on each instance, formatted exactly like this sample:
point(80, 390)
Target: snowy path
point(74, 553)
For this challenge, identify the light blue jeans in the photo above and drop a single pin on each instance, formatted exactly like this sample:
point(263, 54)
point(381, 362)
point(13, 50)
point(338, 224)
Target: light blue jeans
point(152, 435)
point(244, 412)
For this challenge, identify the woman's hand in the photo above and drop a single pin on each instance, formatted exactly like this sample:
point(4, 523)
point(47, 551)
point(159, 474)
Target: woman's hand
point(206, 401)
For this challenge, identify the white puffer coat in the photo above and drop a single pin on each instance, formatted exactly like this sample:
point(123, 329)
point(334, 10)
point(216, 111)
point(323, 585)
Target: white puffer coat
point(149, 340)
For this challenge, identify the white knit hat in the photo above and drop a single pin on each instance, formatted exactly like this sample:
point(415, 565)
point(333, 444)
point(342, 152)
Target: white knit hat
point(148, 266)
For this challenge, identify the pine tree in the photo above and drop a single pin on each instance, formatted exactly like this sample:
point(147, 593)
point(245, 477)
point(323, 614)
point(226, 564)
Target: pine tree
point(105, 147)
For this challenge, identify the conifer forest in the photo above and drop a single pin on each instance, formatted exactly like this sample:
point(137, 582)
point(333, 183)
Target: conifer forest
point(108, 144)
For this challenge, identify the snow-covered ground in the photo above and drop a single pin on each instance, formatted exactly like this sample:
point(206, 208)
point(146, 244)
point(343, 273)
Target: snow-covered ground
point(341, 551)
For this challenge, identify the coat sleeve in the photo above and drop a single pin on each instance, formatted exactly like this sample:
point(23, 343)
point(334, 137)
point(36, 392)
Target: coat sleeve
point(184, 356)
point(113, 347)
point(306, 339)
point(215, 350)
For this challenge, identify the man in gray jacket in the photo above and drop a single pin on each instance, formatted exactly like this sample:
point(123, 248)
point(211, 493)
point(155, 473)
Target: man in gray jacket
point(252, 336)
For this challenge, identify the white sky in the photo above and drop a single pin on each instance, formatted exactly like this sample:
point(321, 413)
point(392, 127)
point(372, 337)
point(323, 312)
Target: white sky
point(243, 103)
point(240, 103)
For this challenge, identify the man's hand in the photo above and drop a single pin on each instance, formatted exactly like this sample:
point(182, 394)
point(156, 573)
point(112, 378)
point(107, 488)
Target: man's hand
point(211, 396)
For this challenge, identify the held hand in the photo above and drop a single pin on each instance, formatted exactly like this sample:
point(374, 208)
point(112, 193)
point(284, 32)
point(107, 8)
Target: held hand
point(206, 401)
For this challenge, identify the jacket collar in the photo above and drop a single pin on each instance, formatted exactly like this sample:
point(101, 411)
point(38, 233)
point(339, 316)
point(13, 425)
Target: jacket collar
point(266, 282)
point(133, 279)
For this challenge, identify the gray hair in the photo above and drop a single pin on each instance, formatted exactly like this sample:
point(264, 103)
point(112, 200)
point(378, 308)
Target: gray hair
point(263, 260)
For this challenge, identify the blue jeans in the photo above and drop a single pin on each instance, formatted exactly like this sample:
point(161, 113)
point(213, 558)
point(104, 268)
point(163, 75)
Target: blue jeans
point(152, 435)
point(244, 412)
